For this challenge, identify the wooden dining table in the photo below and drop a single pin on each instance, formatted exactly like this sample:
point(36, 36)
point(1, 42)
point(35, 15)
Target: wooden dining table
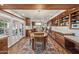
point(39, 37)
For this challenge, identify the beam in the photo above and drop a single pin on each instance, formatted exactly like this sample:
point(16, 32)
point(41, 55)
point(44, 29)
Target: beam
point(40, 6)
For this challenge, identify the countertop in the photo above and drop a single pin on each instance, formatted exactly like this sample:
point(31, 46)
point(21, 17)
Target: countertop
point(65, 32)
point(74, 38)
point(3, 36)
point(70, 35)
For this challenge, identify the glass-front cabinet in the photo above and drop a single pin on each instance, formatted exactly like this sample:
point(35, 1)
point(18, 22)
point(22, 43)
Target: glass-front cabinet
point(75, 20)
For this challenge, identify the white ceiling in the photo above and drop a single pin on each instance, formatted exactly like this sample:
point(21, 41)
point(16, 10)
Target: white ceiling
point(8, 17)
point(36, 15)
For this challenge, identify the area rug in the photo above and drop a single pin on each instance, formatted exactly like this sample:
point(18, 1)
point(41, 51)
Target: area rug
point(27, 49)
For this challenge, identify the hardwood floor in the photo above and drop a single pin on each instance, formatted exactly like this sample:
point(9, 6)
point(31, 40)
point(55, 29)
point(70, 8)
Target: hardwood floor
point(24, 47)
point(15, 48)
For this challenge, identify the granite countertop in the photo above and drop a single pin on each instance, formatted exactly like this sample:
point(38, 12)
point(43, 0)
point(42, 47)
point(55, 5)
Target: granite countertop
point(74, 38)
point(70, 35)
point(2, 36)
point(65, 32)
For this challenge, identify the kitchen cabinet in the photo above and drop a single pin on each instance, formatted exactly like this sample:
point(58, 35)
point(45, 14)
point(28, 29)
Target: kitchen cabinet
point(3, 45)
point(58, 42)
point(68, 43)
point(71, 45)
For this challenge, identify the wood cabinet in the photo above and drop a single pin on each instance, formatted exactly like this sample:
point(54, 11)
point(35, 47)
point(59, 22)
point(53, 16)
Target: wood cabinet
point(27, 21)
point(62, 44)
point(71, 46)
point(57, 47)
point(60, 38)
point(27, 33)
point(4, 45)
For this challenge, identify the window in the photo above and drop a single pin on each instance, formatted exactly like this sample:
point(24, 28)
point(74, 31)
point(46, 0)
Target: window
point(3, 25)
point(38, 24)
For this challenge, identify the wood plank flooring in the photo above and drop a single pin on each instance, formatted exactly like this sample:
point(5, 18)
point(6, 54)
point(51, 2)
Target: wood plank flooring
point(24, 47)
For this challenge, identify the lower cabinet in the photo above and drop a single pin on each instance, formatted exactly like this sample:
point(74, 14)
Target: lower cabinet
point(58, 48)
point(71, 46)
point(4, 45)
point(63, 44)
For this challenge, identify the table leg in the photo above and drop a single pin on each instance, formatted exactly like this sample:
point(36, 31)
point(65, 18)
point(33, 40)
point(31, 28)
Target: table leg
point(33, 44)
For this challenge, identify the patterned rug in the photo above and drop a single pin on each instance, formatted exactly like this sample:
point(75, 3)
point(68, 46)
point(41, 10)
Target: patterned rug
point(27, 49)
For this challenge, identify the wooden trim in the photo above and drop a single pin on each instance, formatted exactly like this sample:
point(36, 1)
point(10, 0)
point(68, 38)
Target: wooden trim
point(40, 6)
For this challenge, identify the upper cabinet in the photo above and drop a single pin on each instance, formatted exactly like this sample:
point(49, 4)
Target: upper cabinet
point(75, 20)
point(64, 21)
point(68, 18)
point(27, 21)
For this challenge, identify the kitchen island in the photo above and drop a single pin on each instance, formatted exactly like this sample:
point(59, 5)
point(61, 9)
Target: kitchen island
point(39, 37)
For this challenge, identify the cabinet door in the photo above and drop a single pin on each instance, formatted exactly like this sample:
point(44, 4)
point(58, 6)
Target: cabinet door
point(71, 46)
point(60, 39)
point(3, 46)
